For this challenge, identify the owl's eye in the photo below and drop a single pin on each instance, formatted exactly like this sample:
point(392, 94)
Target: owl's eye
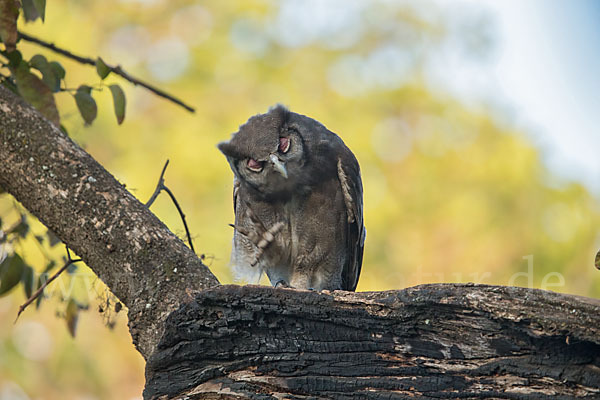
point(254, 165)
point(284, 144)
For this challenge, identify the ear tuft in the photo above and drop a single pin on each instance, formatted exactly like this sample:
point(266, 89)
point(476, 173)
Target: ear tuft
point(280, 112)
point(225, 148)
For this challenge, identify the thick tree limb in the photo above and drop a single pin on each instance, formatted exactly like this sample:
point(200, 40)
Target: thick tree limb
point(431, 341)
point(145, 265)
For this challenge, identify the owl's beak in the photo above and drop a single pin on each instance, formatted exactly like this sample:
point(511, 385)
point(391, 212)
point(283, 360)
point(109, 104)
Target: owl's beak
point(278, 165)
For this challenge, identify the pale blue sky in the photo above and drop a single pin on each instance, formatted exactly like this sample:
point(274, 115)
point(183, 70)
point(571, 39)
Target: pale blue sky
point(545, 73)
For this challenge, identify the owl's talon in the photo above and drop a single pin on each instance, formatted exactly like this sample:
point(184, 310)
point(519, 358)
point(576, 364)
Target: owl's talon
point(281, 283)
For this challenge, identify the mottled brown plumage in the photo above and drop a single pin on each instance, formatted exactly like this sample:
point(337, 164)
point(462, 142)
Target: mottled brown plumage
point(298, 203)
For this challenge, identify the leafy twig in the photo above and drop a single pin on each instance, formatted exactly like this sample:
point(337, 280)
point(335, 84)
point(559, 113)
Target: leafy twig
point(161, 186)
point(116, 69)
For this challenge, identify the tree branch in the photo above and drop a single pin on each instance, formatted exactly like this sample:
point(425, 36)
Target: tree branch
point(116, 69)
point(44, 285)
point(182, 215)
point(143, 263)
point(430, 341)
point(161, 186)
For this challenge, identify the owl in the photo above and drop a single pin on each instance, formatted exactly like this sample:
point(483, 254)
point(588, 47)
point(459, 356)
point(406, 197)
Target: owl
point(298, 203)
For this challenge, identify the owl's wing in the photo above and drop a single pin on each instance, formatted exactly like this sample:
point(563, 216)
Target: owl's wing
point(349, 177)
point(236, 189)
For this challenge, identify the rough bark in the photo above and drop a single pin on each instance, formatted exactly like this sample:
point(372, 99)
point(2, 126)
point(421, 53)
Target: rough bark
point(432, 341)
point(145, 265)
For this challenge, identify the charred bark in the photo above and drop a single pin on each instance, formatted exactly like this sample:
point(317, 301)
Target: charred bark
point(431, 341)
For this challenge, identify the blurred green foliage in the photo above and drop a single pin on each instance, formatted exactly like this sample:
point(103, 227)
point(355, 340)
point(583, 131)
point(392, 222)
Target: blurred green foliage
point(452, 192)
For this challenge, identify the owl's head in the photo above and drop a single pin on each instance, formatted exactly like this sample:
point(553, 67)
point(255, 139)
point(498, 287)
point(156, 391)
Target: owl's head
point(271, 151)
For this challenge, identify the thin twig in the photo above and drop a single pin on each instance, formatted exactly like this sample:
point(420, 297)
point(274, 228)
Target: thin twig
point(116, 69)
point(54, 48)
point(182, 215)
point(43, 286)
point(68, 253)
point(161, 186)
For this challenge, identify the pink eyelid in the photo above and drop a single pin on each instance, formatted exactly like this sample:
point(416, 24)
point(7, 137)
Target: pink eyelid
point(254, 165)
point(284, 144)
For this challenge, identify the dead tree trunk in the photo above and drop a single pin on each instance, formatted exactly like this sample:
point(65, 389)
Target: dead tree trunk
point(433, 341)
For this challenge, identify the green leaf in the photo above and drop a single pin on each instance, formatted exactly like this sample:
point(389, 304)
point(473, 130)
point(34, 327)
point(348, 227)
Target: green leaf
point(22, 229)
point(9, 12)
point(102, 69)
point(14, 58)
point(71, 269)
point(49, 74)
point(72, 316)
point(34, 9)
point(53, 239)
point(58, 69)
point(11, 270)
point(38, 62)
point(36, 93)
point(119, 102)
point(51, 264)
point(28, 278)
point(85, 88)
point(51, 79)
point(30, 11)
point(40, 6)
point(52, 72)
point(86, 104)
